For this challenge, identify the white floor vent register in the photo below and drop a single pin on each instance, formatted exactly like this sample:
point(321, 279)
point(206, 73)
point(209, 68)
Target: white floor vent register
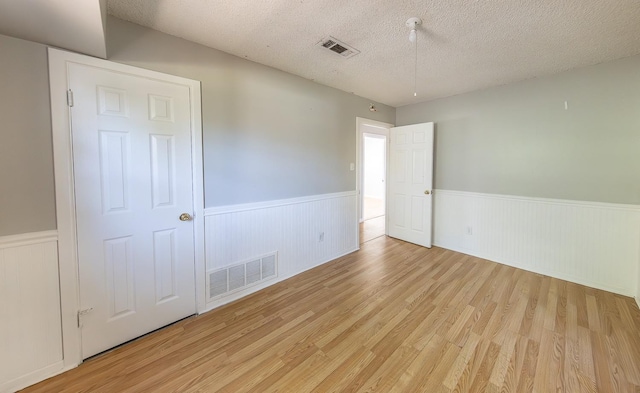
point(222, 282)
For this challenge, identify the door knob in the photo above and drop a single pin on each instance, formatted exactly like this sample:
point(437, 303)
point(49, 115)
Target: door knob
point(185, 217)
point(427, 192)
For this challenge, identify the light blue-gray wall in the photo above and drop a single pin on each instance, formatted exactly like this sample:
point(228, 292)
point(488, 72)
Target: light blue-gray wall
point(27, 201)
point(518, 139)
point(267, 134)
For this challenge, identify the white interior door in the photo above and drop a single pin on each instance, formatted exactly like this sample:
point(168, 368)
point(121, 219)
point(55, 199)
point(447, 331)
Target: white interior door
point(132, 172)
point(411, 183)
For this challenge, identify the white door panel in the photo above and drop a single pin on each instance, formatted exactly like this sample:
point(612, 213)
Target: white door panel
point(411, 183)
point(132, 168)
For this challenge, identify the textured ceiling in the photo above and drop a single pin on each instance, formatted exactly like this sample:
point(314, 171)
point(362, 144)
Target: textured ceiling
point(464, 45)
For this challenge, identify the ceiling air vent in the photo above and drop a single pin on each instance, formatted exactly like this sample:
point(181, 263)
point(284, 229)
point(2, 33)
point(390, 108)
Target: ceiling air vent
point(338, 47)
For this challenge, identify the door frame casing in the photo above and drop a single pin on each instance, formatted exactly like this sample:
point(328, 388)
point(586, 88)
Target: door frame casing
point(65, 188)
point(383, 130)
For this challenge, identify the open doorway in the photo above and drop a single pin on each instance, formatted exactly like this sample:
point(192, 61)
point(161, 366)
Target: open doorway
point(373, 139)
point(374, 153)
point(374, 175)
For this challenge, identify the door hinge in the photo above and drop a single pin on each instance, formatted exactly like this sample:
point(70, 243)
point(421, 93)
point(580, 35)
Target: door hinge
point(82, 313)
point(70, 98)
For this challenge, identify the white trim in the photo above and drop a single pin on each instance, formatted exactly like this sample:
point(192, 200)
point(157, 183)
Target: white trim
point(239, 295)
point(197, 173)
point(638, 301)
point(25, 239)
point(601, 205)
point(550, 273)
point(374, 123)
point(385, 129)
point(495, 249)
point(34, 377)
point(65, 201)
point(212, 211)
point(65, 210)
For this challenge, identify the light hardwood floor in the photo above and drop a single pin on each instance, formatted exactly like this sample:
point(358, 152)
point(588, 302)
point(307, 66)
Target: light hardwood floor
point(372, 208)
point(392, 317)
point(371, 229)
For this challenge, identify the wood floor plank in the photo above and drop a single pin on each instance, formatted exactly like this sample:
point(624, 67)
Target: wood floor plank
point(585, 360)
point(461, 362)
point(483, 373)
point(388, 373)
point(514, 369)
point(392, 317)
point(528, 375)
point(603, 370)
point(501, 366)
point(592, 314)
point(422, 365)
point(576, 296)
point(539, 317)
point(342, 374)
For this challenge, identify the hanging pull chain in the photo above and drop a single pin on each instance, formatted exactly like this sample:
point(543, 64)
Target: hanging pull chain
point(413, 24)
point(415, 69)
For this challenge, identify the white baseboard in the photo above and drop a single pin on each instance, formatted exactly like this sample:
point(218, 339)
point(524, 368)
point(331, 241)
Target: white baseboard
point(558, 275)
point(35, 377)
point(239, 295)
point(593, 244)
point(305, 232)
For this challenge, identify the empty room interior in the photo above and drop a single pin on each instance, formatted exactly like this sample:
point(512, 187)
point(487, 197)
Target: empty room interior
point(320, 196)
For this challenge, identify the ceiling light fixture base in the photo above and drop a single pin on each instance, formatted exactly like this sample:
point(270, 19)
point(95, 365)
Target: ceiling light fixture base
point(414, 22)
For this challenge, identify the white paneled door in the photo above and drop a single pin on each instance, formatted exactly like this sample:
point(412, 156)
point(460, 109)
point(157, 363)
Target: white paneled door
point(411, 183)
point(133, 184)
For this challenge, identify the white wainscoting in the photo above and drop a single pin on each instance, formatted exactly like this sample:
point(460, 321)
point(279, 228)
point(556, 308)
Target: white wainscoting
point(292, 228)
point(594, 244)
point(30, 329)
